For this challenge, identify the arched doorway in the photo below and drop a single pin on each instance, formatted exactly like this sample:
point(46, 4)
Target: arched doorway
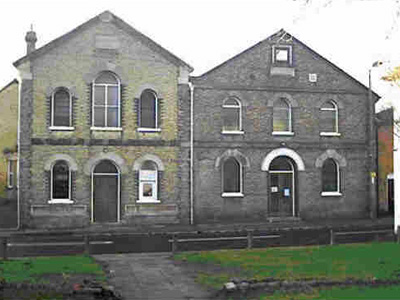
point(105, 193)
point(282, 201)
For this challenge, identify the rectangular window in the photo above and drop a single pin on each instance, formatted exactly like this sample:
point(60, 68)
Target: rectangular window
point(10, 173)
point(282, 55)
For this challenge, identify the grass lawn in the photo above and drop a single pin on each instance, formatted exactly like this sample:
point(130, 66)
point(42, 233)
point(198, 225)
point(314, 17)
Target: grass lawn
point(34, 270)
point(338, 262)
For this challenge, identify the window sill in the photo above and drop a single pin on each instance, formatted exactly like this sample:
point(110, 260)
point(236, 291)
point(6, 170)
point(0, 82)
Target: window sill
point(231, 195)
point(60, 201)
point(143, 129)
point(106, 128)
point(287, 133)
point(329, 134)
point(61, 128)
point(148, 201)
point(232, 132)
point(282, 70)
point(331, 194)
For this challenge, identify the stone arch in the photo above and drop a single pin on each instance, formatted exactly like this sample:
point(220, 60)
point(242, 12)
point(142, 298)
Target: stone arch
point(282, 152)
point(57, 157)
point(334, 98)
point(293, 102)
point(138, 163)
point(244, 161)
point(148, 86)
point(330, 153)
point(104, 66)
point(50, 90)
point(115, 158)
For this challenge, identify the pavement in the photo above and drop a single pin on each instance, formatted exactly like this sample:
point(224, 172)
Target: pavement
point(151, 276)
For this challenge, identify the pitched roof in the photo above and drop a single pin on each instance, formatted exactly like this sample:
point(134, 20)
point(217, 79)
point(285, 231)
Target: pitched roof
point(283, 32)
point(116, 21)
point(9, 84)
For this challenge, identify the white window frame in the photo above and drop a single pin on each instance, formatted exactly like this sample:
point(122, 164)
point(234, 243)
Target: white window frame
point(10, 173)
point(233, 194)
point(61, 128)
point(290, 58)
point(149, 129)
point(58, 200)
point(154, 197)
point(290, 131)
point(337, 192)
point(336, 112)
point(106, 85)
point(237, 106)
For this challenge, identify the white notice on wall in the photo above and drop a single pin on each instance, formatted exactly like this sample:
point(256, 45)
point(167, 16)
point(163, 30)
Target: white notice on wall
point(274, 189)
point(286, 192)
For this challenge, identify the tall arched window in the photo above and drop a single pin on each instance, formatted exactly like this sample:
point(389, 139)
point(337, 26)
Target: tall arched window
point(282, 116)
point(61, 109)
point(329, 121)
point(106, 101)
point(60, 181)
point(148, 182)
point(232, 115)
point(231, 177)
point(330, 177)
point(148, 110)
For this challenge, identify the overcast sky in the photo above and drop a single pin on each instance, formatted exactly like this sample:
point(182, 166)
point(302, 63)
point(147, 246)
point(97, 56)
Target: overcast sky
point(204, 33)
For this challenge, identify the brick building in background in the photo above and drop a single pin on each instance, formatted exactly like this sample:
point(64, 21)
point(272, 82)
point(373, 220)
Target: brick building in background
point(8, 140)
point(107, 134)
point(385, 156)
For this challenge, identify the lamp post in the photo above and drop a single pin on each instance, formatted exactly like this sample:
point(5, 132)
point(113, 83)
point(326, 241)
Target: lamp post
point(372, 149)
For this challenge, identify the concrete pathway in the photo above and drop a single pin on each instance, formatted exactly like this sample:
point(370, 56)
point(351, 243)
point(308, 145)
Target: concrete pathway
point(151, 276)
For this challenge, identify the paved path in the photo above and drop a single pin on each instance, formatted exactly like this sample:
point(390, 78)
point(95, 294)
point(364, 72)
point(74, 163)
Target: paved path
point(151, 276)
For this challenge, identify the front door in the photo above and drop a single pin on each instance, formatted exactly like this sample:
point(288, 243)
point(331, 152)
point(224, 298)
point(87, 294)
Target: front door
point(282, 198)
point(105, 180)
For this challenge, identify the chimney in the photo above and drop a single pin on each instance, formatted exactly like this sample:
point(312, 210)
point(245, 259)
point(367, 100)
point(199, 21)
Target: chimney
point(30, 39)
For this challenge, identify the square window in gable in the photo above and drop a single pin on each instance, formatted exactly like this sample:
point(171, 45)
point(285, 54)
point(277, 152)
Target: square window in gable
point(282, 55)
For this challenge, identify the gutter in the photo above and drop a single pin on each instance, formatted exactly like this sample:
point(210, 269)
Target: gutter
point(191, 87)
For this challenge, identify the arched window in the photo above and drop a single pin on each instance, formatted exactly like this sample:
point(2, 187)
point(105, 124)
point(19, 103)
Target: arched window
point(231, 177)
point(330, 177)
point(61, 108)
point(282, 116)
point(106, 101)
point(148, 182)
point(148, 110)
point(232, 115)
point(329, 121)
point(60, 181)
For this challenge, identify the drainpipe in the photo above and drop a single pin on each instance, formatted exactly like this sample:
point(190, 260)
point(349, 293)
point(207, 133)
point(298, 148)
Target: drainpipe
point(18, 152)
point(191, 87)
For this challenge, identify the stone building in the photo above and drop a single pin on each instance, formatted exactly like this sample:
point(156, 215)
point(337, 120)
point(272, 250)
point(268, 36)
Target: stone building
point(281, 132)
point(99, 130)
point(114, 131)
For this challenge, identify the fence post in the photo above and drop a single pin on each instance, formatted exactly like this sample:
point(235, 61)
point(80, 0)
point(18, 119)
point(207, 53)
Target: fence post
point(87, 243)
point(174, 244)
point(4, 247)
point(332, 235)
point(249, 239)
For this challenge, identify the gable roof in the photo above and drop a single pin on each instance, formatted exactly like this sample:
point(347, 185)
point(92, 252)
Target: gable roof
point(9, 84)
point(282, 33)
point(116, 21)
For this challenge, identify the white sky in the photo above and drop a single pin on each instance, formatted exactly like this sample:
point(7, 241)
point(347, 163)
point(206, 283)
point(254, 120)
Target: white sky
point(204, 33)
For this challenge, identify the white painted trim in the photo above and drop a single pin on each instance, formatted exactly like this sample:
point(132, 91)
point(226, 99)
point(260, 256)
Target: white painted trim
point(229, 195)
point(337, 179)
point(154, 184)
point(329, 134)
point(331, 194)
point(144, 129)
point(61, 128)
point(148, 201)
point(240, 177)
point(232, 132)
point(60, 201)
point(286, 133)
point(289, 47)
point(237, 106)
point(336, 112)
point(282, 152)
point(106, 128)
